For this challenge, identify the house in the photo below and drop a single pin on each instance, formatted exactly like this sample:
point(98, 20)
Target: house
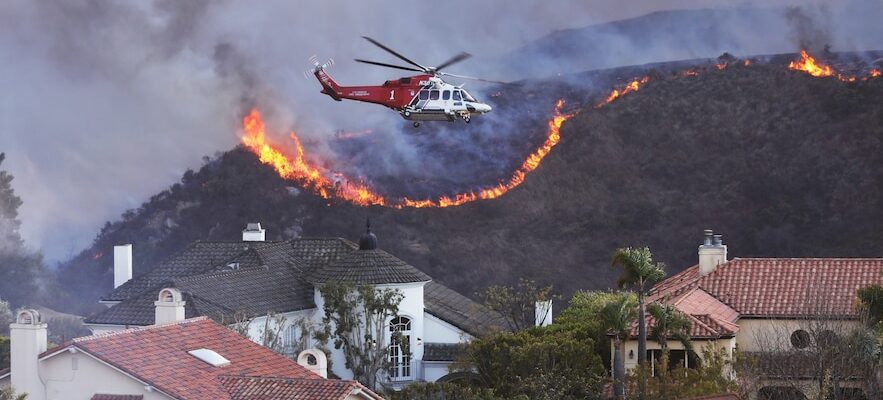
point(779, 311)
point(275, 286)
point(193, 359)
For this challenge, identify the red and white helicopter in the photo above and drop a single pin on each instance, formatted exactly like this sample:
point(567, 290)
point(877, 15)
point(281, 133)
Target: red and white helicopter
point(424, 97)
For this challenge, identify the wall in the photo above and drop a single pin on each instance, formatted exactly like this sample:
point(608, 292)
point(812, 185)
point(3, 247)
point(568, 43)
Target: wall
point(436, 330)
point(64, 382)
point(767, 334)
point(698, 345)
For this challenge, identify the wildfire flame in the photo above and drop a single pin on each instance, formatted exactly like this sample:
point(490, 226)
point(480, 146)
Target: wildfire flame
point(875, 73)
point(809, 65)
point(298, 167)
point(632, 86)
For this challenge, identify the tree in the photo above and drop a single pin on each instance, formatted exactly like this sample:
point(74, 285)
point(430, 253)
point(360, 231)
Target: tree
point(357, 321)
point(6, 316)
point(871, 305)
point(639, 272)
point(21, 271)
point(4, 352)
point(618, 316)
point(669, 322)
point(551, 362)
point(584, 312)
point(517, 304)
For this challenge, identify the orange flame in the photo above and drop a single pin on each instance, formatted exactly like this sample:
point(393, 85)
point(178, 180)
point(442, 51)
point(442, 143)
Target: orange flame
point(809, 65)
point(300, 169)
point(875, 73)
point(632, 86)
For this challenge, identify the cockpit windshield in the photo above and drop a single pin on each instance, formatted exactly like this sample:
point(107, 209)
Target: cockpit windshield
point(467, 96)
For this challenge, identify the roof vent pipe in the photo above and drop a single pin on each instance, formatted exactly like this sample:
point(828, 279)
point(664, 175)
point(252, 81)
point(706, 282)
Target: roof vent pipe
point(708, 237)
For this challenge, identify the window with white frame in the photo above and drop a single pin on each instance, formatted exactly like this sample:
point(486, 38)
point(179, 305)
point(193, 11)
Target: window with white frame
point(399, 347)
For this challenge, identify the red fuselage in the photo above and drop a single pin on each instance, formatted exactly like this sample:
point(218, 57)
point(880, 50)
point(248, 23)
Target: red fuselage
point(395, 94)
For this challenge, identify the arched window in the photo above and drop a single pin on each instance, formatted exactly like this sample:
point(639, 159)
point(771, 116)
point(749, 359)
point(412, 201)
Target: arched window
point(800, 339)
point(400, 348)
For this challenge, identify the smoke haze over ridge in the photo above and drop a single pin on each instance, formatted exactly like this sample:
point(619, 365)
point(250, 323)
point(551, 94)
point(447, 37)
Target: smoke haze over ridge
point(105, 103)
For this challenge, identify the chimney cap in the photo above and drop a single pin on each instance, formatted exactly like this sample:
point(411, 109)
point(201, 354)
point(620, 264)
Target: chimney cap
point(253, 227)
point(28, 316)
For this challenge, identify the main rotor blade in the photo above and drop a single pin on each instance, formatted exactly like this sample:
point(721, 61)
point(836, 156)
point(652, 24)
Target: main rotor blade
point(472, 78)
point(453, 60)
point(389, 65)
point(391, 51)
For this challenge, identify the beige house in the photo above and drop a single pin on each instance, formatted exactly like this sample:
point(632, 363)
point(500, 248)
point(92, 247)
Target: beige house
point(787, 315)
point(193, 359)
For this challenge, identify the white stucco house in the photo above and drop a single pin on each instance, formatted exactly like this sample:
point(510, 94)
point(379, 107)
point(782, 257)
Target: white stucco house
point(253, 278)
point(193, 359)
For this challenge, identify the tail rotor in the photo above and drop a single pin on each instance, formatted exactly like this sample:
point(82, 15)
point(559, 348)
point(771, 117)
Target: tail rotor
point(317, 66)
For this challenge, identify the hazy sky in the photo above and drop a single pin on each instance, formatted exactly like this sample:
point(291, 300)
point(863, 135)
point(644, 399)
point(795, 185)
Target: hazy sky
point(107, 102)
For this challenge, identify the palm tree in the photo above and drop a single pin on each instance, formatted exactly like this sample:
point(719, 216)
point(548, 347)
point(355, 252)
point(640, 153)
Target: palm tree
point(669, 323)
point(639, 272)
point(617, 316)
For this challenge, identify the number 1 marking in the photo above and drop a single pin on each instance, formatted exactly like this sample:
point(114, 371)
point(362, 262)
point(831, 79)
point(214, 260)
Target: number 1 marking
point(392, 94)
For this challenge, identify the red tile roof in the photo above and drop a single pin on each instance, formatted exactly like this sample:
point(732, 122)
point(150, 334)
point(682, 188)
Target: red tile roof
point(117, 397)
point(252, 388)
point(158, 356)
point(725, 396)
point(780, 287)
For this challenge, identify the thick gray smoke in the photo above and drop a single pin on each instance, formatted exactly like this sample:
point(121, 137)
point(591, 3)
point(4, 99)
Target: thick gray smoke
point(107, 102)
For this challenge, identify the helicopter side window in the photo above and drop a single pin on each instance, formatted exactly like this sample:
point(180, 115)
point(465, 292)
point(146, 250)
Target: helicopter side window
point(467, 97)
point(446, 95)
point(424, 95)
point(433, 95)
point(456, 95)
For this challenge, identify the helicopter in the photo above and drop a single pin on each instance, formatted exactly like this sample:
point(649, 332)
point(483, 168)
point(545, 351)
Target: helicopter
point(424, 97)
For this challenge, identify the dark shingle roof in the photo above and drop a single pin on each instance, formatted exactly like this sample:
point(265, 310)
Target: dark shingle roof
point(368, 267)
point(196, 258)
point(460, 311)
point(442, 351)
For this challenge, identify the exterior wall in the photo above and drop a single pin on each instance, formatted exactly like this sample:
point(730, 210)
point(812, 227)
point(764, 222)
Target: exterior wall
point(768, 334)
point(78, 376)
point(434, 370)
point(698, 345)
point(257, 326)
point(436, 330)
point(412, 306)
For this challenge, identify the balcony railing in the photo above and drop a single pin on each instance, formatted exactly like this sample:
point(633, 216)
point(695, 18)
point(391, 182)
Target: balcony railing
point(405, 372)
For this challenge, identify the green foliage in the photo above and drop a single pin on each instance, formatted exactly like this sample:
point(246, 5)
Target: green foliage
point(4, 352)
point(441, 391)
point(517, 304)
point(585, 312)
point(871, 305)
point(356, 321)
point(617, 317)
point(711, 377)
point(9, 394)
point(6, 316)
point(556, 360)
point(638, 269)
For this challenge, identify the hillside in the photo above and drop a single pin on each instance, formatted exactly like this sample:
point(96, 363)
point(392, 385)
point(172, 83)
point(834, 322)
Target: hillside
point(782, 163)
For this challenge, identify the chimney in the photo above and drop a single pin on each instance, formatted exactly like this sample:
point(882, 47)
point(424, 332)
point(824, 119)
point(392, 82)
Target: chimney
point(122, 264)
point(28, 338)
point(253, 232)
point(543, 313)
point(712, 253)
point(169, 306)
point(314, 360)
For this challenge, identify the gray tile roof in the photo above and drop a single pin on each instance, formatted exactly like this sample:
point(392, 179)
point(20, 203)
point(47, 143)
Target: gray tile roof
point(442, 351)
point(460, 311)
point(368, 267)
point(219, 279)
point(196, 258)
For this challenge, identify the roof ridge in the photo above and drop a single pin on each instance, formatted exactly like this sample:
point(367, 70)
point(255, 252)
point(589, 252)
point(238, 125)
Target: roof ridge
point(693, 316)
point(129, 331)
point(808, 258)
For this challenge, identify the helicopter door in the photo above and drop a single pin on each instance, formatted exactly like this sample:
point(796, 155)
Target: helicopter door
point(457, 101)
point(434, 103)
point(446, 100)
point(421, 99)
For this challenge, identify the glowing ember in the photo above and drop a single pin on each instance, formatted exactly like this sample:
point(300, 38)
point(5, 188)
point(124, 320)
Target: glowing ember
point(632, 86)
point(875, 73)
point(809, 65)
point(721, 66)
point(329, 184)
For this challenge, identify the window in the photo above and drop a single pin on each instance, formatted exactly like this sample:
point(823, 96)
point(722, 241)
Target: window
point(800, 339)
point(433, 95)
point(467, 97)
point(405, 81)
point(399, 347)
point(457, 95)
point(424, 95)
point(446, 95)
